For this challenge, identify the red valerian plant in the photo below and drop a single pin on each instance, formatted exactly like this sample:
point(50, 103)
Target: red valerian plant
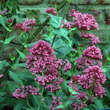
point(49, 71)
point(92, 76)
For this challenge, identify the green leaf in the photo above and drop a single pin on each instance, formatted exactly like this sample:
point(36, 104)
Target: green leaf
point(69, 1)
point(73, 29)
point(26, 74)
point(67, 103)
point(30, 44)
point(35, 99)
point(2, 22)
point(12, 58)
point(55, 21)
point(60, 106)
point(63, 33)
point(98, 103)
point(3, 63)
point(8, 40)
point(61, 48)
point(12, 86)
point(22, 55)
point(18, 106)
point(19, 65)
point(15, 77)
point(2, 93)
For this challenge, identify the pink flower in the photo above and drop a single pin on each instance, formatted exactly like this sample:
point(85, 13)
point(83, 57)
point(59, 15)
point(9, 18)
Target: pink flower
point(68, 25)
point(3, 12)
point(1, 75)
point(26, 25)
point(84, 62)
point(23, 92)
point(95, 40)
point(93, 77)
point(93, 52)
point(55, 102)
point(84, 21)
point(79, 106)
point(17, 26)
point(99, 90)
point(51, 11)
point(55, 86)
point(10, 20)
point(92, 37)
point(42, 56)
point(80, 96)
point(67, 65)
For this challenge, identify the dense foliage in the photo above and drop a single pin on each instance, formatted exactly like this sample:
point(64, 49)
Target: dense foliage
point(56, 63)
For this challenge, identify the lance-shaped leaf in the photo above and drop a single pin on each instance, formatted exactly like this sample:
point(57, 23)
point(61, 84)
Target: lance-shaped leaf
point(2, 22)
point(22, 55)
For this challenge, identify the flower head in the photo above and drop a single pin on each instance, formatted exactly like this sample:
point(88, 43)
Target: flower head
point(93, 52)
point(24, 91)
point(84, 21)
point(51, 11)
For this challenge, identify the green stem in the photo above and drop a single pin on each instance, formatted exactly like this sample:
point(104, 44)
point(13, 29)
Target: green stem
point(53, 40)
point(29, 104)
point(41, 98)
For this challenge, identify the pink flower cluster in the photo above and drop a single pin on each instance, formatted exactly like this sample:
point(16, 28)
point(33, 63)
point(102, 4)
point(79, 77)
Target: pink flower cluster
point(45, 66)
point(26, 25)
point(55, 86)
point(51, 11)
point(67, 65)
point(93, 52)
point(94, 40)
point(55, 102)
point(99, 90)
point(80, 96)
point(84, 21)
point(92, 78)
point(24, 91)
point(90, 56)
point(84, 62)
point(78, 106)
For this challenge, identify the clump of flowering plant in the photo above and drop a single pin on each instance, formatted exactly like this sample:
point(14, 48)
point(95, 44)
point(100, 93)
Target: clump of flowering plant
point(49, 71)
point(92, 77)
point(26, 26)
point(43, 64)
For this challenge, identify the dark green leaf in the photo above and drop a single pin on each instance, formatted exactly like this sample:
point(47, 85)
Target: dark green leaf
point(8, 40)
point(22, 55)
point(15, 77)
point(55, 21)
point(2, 22)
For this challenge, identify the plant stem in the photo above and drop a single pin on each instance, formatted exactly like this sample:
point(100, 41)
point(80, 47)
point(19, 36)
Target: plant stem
point(41, 98)
point(29, 104)
point(53, 40)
